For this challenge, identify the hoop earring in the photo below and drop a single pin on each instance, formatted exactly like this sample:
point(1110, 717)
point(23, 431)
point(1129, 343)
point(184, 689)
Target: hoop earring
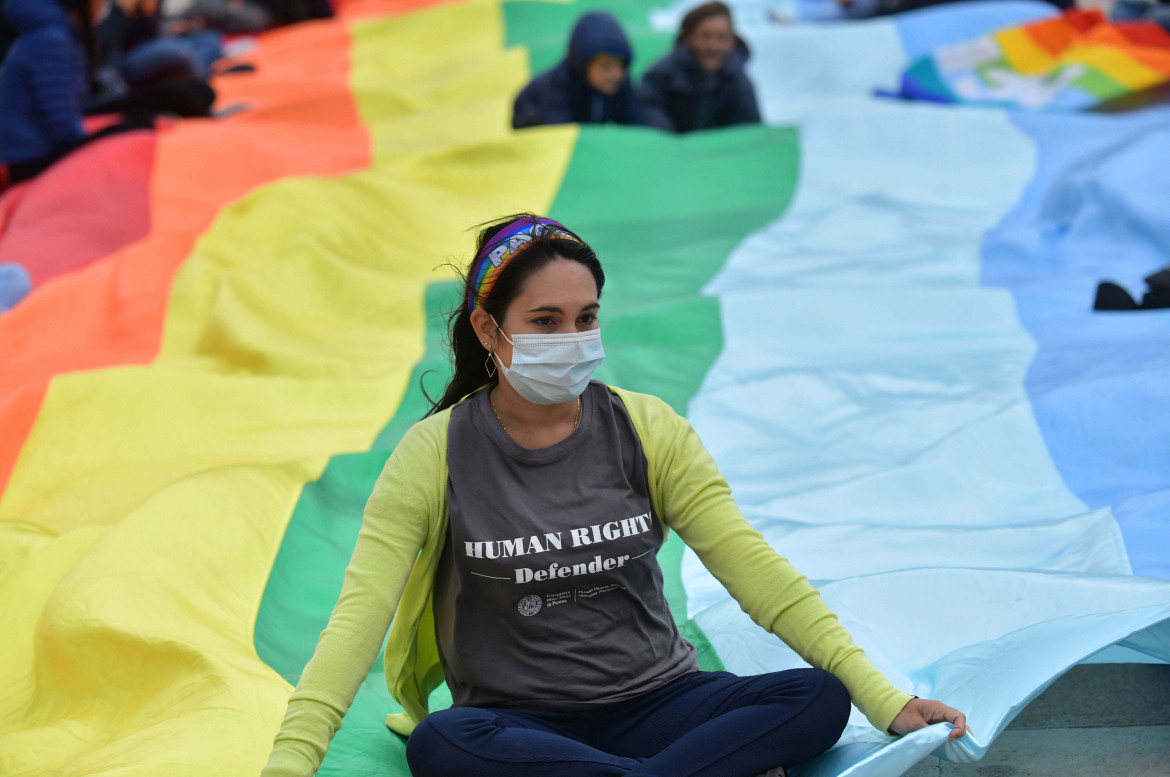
point(489, 365)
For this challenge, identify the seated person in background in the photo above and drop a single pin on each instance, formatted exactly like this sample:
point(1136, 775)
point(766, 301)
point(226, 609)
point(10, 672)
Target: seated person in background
point(140, 71)
point(130, 41)
point(43, 81)
point(43, 85)
point(238, 17)
point(1157, 11)
point(231, 17)
point(701, 84)
point(294, 11)
point(590, 86)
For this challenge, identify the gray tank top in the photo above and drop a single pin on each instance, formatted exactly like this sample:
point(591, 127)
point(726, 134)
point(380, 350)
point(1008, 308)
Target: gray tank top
point(548, 592)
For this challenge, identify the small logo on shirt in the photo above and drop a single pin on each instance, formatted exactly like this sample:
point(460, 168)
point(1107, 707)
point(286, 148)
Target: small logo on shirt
point(529, 605)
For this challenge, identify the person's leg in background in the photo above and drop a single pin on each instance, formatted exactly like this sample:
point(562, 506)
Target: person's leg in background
point(163, 60)
point(15, 284)
point(207, 46)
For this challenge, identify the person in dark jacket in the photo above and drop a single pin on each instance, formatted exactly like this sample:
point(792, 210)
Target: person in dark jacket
point(43, 78)
point(141, 71)
point(131, 41)
point(44, 83)
point(701, 84)
point(590, 86)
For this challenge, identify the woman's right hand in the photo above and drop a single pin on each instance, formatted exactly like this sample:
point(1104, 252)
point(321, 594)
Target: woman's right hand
point(920, 713)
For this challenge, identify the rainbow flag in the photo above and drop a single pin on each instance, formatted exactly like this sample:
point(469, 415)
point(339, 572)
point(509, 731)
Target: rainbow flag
point(874, 313)
point(1073, 62)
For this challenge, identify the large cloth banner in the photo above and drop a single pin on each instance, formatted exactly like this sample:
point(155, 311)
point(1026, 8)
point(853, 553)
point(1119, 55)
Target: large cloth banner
point(876, 313)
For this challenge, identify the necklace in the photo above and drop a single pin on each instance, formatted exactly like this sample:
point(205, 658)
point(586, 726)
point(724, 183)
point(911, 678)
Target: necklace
point(492, 402)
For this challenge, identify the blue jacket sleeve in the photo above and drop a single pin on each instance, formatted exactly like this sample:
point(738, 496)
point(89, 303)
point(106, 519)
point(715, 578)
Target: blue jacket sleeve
point(54, 81)
point(744, 109)
point(541, 103)
point(653, 96)
point(632, 109)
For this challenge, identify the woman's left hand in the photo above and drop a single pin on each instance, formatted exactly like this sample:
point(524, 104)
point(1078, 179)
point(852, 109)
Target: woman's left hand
point(920, 713)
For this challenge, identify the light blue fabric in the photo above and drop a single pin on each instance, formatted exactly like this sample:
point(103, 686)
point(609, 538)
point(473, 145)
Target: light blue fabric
point(1100, 383)
point(15, 285)
point(945, 25)
point(915, 403)
point(937, 23)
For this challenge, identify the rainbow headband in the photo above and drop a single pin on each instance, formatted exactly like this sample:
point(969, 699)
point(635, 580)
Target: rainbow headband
point(503, 248)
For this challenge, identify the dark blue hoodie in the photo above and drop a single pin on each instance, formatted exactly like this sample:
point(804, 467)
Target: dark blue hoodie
point(678, 95)
point(42, 82)
point(563, 95)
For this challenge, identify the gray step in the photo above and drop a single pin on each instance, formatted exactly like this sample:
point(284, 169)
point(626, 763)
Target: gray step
point(1098, 720)
point(1111, 751)
point(1094, 695)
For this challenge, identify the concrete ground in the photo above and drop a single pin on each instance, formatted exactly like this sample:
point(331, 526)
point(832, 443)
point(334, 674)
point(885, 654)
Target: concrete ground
point(1098, 720)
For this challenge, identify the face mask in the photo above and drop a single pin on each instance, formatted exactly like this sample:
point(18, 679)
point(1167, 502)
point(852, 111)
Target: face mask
point(551, 369)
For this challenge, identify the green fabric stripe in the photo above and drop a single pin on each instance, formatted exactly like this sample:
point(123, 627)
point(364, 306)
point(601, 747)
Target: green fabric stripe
point(310, 566)
point(663, 213)
point(1101, 85)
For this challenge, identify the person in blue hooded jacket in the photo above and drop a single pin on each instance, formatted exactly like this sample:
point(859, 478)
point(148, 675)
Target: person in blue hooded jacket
point(44, 84)
point(590, 86)
point(43, 79)
point(701, 84)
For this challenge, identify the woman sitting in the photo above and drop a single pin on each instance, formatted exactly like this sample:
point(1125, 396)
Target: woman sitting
point(702, 83)
point(512, 538)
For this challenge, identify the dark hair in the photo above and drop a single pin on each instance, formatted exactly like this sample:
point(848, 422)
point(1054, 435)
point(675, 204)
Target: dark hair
point(80, 9)
point(467, 353)
point(700, 14)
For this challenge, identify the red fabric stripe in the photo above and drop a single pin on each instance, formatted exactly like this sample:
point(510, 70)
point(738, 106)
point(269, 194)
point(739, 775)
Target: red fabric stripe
point(85, 207)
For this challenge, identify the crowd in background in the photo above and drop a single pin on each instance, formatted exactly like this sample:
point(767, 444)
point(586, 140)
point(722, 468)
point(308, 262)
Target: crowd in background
point(700, 84)
point(63, 60)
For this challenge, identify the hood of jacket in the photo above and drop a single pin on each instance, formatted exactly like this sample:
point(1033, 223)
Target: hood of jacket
point(596, 33)
point(29, 15)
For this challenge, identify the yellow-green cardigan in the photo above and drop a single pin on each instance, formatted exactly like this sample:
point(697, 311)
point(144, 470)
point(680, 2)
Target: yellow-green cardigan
point(390, 578)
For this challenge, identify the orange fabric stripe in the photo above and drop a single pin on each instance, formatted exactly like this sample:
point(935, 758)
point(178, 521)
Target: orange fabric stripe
point(1052, 35)
point(112, 312)
point(1147, 47)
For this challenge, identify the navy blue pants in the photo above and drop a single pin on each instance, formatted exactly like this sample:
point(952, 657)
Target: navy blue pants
point(708, 724)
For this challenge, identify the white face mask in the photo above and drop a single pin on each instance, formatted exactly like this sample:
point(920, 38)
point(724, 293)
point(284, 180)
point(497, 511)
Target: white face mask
point(551, 369)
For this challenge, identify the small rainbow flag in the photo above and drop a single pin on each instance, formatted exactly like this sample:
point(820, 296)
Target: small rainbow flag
point(1071, 62)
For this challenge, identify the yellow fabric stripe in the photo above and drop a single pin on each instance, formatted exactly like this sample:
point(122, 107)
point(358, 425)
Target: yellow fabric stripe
point(1029, 58)
point(1023, 53)
point(149, 502)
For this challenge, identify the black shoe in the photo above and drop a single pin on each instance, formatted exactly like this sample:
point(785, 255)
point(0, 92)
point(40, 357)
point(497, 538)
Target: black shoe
point(1156, 300)
point(1110, 296)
